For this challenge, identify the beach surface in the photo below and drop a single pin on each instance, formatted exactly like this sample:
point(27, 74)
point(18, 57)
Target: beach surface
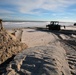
point(48, 53)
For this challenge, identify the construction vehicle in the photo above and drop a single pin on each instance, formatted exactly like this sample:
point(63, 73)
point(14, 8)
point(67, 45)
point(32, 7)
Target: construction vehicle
point(54, 25)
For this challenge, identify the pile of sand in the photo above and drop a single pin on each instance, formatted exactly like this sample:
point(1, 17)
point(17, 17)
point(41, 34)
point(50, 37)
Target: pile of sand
point(41, 60)
point(9, 46)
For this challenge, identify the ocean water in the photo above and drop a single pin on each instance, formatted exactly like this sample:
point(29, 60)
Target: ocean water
point(31, 24)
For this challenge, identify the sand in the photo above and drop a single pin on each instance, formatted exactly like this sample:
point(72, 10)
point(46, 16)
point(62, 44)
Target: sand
point(36, 38)
point(48, 53)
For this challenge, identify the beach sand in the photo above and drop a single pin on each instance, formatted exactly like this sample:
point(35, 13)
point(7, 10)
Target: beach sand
point(48, 53)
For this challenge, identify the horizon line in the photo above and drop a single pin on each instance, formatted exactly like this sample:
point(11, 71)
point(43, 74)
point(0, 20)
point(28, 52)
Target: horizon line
point(34, 21)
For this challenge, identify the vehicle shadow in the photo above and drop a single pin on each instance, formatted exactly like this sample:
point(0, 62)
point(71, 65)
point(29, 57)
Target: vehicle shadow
point(62, 31)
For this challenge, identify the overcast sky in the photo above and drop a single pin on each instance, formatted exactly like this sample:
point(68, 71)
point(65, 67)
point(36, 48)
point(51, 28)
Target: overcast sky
point(62, 10)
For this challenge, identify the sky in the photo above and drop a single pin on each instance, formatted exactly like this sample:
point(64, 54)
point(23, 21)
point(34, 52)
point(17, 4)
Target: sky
point(38, 10)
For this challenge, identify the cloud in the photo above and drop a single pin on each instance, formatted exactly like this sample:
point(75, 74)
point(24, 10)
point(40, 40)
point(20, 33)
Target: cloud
point(27, 6)
point(51, 5)
point(52, 8)
point(3, 11)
